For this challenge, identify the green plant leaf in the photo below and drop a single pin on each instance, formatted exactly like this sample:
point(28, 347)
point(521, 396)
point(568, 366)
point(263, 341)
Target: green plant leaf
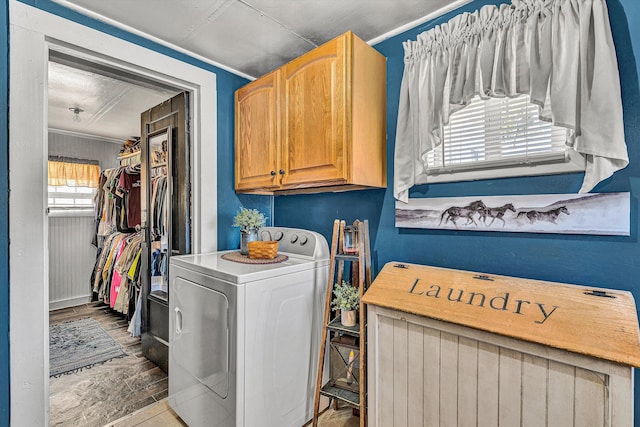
point(346, 297)
point(248, 219)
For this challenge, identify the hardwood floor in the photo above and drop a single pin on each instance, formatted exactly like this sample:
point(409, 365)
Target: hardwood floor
point(125, 392)
point(161, 415)
point(157, 415)
point(110, 391)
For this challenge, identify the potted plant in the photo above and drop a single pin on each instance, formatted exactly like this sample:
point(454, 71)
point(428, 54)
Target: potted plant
point(249, 221)
point(347, 299)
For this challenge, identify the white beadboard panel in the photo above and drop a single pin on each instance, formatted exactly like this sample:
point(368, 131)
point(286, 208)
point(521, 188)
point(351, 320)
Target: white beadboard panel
point(71, 260)
point(488, 374)
point(509, 383)
point(467, 382)
point(400, 371)
point(534, 385)
point(71, 256)
point(561, 394)
point(84, 147)
point(590, 387)
point(385, 333)
point(415, 389)
point(620, 413)
point(448, 380)
point(431, 380)
point(457, 376)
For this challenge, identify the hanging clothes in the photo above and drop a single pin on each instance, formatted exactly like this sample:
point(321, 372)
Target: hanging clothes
point(116, 279)
point(117, 202)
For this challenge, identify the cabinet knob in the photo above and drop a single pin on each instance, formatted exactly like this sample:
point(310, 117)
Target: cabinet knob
point(273, 173)
point(281, 172)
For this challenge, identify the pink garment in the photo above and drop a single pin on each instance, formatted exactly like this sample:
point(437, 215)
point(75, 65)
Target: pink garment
point(116, 278)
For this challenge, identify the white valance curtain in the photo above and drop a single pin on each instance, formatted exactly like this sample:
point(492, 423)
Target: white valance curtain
point(560, 50)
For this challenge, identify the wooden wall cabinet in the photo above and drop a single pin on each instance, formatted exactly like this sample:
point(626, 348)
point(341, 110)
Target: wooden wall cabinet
point(315, 124)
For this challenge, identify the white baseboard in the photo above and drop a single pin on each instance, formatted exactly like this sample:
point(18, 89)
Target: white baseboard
point(72, 302)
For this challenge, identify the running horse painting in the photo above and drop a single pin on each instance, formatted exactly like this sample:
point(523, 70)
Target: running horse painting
point(454, 213)
point(550, 216)
point(606, 214)
point(498, 213)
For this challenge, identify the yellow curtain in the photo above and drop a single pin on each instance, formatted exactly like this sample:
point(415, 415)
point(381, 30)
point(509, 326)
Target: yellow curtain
point(73, 174)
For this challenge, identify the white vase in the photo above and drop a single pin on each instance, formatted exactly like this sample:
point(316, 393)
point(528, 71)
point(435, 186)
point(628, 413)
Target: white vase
point(348, 317)
point(246, 237)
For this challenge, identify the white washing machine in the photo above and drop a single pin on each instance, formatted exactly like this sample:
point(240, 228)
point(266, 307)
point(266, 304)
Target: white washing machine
point(243, 338)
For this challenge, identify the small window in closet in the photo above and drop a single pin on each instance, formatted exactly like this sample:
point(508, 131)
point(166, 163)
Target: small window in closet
point(72, 185)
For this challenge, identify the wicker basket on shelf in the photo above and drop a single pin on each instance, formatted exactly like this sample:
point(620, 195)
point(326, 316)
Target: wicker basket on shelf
point(263, 249)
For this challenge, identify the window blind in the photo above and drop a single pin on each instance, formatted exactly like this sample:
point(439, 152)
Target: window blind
point(69, 197)
point(497, 132)
point(72, 184)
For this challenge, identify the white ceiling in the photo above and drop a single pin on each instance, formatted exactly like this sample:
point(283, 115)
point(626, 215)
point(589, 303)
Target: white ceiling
point(248, 37)
point(110, 106)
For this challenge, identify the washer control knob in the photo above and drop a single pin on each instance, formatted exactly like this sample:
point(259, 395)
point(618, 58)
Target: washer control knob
point(294, 238)
point(303, 240)
point(278, 235)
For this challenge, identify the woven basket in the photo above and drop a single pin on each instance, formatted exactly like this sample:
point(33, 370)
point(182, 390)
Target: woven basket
point(263, 249)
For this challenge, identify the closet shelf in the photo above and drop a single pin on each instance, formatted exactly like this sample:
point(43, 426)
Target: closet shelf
point(128, 155)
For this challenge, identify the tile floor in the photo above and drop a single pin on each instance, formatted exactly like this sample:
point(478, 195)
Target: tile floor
point(107, 392)
point(158, 414)
point(126, 392)
point(161, 415)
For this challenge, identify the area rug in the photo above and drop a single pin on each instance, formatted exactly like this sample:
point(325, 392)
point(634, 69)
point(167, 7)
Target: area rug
point(78, 345)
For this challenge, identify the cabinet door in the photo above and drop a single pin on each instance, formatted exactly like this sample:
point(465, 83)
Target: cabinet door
point(257, 132)
point(314, 118)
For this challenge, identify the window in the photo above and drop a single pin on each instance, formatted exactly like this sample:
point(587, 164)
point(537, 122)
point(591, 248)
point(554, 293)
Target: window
point(500, 137)
point(72, 185)
point(65, 197)
point(473, 53)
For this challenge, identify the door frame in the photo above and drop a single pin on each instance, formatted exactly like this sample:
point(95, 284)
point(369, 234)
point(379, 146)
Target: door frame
point(33, 33)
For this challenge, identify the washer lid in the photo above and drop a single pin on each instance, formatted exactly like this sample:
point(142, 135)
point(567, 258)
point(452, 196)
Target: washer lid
point(213, 265)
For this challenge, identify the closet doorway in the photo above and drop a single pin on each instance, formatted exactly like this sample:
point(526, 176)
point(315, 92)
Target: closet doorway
point(34, 33)
point(94, 114)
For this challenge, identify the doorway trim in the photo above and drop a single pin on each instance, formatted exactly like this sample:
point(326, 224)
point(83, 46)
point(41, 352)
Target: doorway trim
point(33, 33)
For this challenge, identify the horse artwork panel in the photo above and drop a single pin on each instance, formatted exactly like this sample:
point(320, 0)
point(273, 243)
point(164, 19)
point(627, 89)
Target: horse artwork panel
point(498, 213)
point(454, 213)
point(593, 213)
point(550, 215)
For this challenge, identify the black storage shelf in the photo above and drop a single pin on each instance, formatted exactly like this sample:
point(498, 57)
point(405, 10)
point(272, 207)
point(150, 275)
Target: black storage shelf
point(346, 396)
point(345, 257)
point(335, 325)
point(347, 344)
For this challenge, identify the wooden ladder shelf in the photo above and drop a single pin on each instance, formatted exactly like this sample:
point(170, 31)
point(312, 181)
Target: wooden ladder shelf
point(345, 341)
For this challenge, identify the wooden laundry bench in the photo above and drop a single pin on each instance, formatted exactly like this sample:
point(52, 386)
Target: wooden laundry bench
point(450, 347)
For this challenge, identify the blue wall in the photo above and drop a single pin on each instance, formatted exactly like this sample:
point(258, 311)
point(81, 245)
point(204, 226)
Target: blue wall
point(611, 262)
point(590, 260)
point(227, 83)
point(228, 201)
point(4, 216)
